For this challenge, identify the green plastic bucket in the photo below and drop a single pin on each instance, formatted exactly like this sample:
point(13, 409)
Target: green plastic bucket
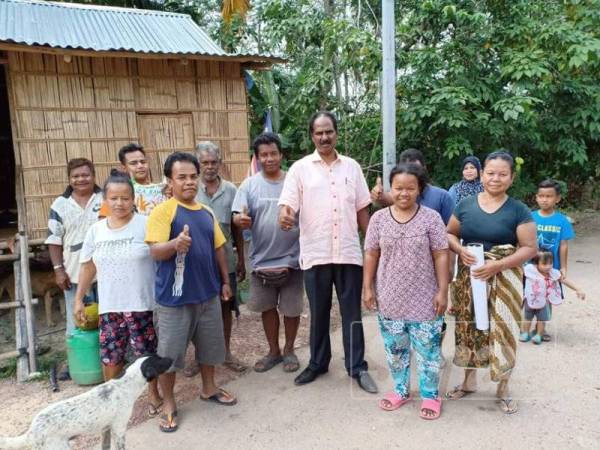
point(83, 355)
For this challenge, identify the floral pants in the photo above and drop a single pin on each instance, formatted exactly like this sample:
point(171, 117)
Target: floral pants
point(425, 339)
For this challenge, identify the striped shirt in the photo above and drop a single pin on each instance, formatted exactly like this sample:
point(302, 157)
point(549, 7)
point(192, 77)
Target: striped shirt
point(68, 224)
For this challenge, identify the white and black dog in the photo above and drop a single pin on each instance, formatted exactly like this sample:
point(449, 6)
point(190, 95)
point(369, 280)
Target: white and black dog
point(104, 408)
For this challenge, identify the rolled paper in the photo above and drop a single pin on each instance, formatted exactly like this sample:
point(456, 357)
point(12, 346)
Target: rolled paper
point(479, 290)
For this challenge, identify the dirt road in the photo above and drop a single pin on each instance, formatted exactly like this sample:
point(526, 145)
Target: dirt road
point(557, 385)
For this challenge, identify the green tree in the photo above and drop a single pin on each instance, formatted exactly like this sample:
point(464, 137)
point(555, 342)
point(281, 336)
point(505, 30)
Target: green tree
point(475, 76)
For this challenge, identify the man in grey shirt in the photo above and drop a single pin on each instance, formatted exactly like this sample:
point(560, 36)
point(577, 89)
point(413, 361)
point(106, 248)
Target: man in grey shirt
point(276, 283)
point(218, 195)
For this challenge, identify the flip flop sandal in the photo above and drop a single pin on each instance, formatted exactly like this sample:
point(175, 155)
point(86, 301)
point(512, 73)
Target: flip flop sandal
point(168, 422)
point(220, 397)
point(508, 405)
point(267, 363)
point(290, 362)
point(394, 401)
point(153, 410)
point(432, 404)
point(457, 393)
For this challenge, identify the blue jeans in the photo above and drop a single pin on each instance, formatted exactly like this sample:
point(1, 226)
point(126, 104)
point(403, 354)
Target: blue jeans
point(425, 338)
point(90, 297)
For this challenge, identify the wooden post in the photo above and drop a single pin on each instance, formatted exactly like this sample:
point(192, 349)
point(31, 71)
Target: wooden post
point(26, 283)
point(20, 323)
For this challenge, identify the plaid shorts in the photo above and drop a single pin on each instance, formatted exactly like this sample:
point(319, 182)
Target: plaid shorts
point(119, 329)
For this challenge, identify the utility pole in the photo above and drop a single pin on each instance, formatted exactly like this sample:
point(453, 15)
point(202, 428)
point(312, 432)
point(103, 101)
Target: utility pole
point(388, 90)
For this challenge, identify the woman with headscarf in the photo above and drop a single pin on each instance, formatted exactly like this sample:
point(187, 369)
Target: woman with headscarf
point(470, 183)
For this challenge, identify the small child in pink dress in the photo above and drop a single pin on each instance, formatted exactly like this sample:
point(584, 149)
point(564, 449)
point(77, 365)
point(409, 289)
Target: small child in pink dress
point(542, 289)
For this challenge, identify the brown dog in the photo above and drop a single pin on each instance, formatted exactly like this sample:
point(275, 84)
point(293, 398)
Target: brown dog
point(43, 284)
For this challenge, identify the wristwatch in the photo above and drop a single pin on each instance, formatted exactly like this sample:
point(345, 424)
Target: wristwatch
point(58, 266)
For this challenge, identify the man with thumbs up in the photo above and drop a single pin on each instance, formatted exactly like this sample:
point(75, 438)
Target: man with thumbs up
point(191, 280)
point(276, 278)
point(330, 193)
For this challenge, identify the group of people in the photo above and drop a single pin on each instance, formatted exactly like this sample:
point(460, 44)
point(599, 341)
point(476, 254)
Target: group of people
point(165, 260)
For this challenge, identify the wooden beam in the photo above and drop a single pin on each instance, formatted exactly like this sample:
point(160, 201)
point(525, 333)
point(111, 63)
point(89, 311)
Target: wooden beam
point(10, 305)
point(266, 60)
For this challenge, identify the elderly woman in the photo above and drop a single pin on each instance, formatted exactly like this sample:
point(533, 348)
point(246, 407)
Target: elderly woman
point(506, 229)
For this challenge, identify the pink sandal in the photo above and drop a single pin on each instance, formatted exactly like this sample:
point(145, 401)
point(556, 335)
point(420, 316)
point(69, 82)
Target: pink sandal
point(394, 400)
point(432, 404)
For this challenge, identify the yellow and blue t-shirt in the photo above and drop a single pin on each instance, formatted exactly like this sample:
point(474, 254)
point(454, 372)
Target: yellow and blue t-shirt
point(201, 277)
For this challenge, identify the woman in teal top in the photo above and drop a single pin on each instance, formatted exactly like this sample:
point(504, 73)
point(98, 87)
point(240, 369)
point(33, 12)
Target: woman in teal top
point(506, 229)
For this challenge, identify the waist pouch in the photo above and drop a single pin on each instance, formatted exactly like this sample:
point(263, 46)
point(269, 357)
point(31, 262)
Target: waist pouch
point(273, 278)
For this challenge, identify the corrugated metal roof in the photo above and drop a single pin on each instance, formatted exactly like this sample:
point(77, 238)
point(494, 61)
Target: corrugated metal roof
point(101, 28)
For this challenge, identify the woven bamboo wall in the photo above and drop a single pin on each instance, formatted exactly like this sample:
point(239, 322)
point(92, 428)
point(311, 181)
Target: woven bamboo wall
point(90, 107)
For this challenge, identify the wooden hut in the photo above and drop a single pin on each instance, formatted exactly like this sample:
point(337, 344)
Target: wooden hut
point(81, 81)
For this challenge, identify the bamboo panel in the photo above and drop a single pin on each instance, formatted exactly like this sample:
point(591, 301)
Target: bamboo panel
point(100, 124)
point(201, 123)
point(78, 150)
point(31, 124)
point(50, 64)
point(36, 90)
point(219, 124)
point(231, 70)
point(132, 125)
point(120, 126)
point(212, 94)
point(75, 124)
point(121, 93)
point(54, 125)
point(76, 92)
point(158, 67)
point(134, 76)
point(237, 171)
point(208, 69)
point(16, 62)
point(90, 107)
point(97, 65)
point(117, 66)
point(236, 93)
point(33, 61)
point(181, 69)
point(240, 146)
point(187, 96)
point(238, 124)
point(43, 154)
point(42, 182)
point(132, 110)
point(35, 219)
point(156, 93)
point(173, 132)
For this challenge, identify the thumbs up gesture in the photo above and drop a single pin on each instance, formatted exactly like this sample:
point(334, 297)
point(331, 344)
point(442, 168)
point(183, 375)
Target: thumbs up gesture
point(244, 220)
point(183, 241)
point(377, 191)
point(287, 218)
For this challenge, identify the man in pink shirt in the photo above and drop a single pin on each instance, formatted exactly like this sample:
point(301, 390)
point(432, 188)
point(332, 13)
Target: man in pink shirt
point(330, 193)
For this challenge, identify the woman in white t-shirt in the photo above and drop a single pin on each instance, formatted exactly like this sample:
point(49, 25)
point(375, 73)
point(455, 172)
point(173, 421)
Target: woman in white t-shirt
point(115, 252)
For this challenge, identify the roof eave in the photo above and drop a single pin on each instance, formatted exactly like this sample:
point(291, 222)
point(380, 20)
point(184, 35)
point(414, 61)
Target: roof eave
point(254, 62)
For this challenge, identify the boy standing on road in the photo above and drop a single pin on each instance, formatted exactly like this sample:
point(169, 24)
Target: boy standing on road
point(553, 228)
